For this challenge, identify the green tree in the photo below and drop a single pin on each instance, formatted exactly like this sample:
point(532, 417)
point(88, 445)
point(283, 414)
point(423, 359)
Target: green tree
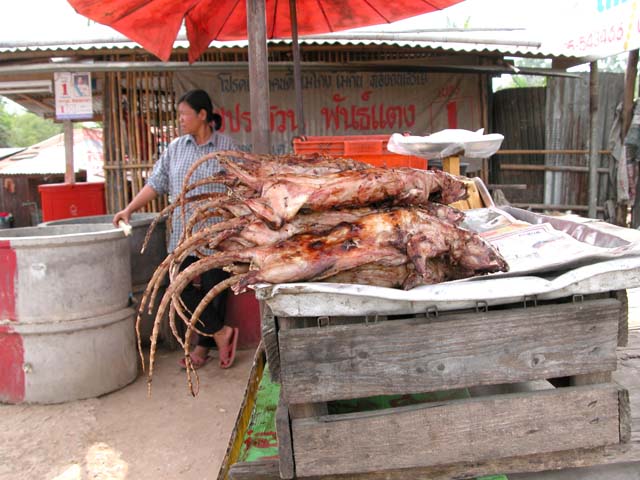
point(5, 126)
point(524, 81)
point(29, 128)
point(23, 129)
point(615, 63)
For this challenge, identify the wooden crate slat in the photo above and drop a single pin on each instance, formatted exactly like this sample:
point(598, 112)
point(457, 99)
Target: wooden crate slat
point(285, 450)
point(471, 430)
point(453, 351)
point(270, 340)
point(623, 325)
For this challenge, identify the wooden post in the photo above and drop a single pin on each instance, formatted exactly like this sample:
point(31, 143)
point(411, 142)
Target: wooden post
point(486, 93)
point(297, 71)
point(258, 76)
point(69, 175)
point(451, 165)
point(629, 91)
point(627, 114)
point(593, 140)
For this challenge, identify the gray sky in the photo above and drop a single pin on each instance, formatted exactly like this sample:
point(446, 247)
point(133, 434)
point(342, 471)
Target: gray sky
point(36, 20)
point(39, 20)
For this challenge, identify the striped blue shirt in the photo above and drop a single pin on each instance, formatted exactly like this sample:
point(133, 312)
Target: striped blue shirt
point(174, 163)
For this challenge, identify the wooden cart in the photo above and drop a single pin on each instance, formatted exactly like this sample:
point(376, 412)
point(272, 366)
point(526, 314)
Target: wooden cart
point(538, 377)
point(535, 377)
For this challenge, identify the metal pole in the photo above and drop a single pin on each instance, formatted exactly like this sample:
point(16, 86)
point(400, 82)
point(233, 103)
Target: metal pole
point(297, 70)
point(69, 175)
point(258, 76)
point(593, 140)
point(418, 66)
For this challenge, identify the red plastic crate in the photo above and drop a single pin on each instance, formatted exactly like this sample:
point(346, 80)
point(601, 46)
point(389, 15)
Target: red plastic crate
point(67, 200)
point(366, 148)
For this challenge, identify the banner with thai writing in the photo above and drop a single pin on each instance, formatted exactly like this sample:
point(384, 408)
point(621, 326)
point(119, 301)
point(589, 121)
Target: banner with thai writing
point(593, 28)
point(343, 103)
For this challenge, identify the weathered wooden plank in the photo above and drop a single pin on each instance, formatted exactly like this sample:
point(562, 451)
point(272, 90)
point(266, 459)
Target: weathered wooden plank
point(584, 457)
point(270, 340)
point(451, 351)
point(266, 469)
point(458, 431)
point(285, 448)
point(623, 326)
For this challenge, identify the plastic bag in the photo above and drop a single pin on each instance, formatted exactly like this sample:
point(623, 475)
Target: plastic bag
point(446, 143)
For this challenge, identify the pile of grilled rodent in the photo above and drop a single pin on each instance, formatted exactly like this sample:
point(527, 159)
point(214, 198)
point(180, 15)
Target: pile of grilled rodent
point(299, 218)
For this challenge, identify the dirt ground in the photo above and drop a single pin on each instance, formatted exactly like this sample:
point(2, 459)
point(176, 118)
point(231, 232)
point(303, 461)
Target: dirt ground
point(126, 434)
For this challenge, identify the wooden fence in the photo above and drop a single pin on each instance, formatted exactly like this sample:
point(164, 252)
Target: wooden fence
point(578, 181)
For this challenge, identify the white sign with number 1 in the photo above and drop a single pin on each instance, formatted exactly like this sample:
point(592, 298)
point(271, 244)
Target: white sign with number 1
point(73, 96)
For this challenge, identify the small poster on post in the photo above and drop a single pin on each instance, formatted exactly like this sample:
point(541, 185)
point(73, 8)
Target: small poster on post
point(73, 96)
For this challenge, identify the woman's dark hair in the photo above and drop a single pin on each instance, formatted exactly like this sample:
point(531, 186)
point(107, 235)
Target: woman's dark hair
point(200, 100)
point(217, 121)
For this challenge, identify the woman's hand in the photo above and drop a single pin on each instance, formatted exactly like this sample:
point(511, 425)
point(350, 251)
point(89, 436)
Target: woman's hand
point(123, 215)
point(143, 197)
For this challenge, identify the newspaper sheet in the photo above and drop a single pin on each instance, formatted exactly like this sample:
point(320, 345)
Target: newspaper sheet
point(538, 246)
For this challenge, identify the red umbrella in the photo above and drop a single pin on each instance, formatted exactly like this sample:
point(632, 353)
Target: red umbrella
point(154, 24)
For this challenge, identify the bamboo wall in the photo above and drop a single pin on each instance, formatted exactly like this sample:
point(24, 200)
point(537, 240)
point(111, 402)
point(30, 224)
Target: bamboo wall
point(139, 122)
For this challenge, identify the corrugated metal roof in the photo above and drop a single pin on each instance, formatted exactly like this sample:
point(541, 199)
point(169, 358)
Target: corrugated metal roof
point(48, 156)
point(479, 47)
point(515, 49)
point(46, 162)
point(7, 152)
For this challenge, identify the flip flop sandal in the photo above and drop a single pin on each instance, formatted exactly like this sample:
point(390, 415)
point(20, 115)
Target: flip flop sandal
point(229, 352)
point(196, 362)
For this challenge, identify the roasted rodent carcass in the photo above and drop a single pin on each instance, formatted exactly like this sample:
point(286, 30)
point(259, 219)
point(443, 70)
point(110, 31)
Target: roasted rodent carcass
point(281, 197)
point(393, 237)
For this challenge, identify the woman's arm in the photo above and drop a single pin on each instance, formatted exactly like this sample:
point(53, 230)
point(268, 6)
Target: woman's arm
point(143, 197)
point(157, 184)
